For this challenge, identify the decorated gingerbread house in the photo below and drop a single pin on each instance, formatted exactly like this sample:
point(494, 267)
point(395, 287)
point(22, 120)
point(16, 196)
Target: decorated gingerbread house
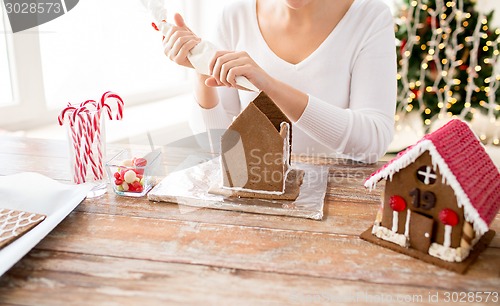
point(256, 148)
point(440, 195)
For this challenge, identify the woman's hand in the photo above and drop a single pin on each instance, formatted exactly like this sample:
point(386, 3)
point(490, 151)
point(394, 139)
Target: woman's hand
point(178, 41)
point(227, 65)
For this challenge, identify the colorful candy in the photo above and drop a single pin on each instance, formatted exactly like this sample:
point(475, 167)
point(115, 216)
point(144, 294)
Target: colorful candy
point(129, 177)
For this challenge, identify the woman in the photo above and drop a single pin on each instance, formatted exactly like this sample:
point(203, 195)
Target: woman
point(329, 65)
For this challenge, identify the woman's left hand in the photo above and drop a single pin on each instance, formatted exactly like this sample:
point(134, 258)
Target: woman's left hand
point(227, 65)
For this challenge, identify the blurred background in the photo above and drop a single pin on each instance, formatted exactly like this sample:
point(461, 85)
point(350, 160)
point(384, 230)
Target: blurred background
point(111, 45)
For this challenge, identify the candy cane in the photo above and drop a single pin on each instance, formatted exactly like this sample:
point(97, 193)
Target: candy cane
point(89, 140)
point(76, 149)
point(79, 118)
point(96, 124)
point(74, 139)
point(61, 116)
point(119, 101)
point(92, 102)
point(85, 128)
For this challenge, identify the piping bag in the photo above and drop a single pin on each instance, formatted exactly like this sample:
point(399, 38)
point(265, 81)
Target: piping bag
point(201, 54)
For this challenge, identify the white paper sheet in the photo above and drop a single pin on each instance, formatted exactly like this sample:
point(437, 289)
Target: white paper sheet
point(33, 192)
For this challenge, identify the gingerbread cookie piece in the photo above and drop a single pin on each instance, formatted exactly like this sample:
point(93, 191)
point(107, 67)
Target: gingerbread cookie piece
point(292, 189)
point(15, 223)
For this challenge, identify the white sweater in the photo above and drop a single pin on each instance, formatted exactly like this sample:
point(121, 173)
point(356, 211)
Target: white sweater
point(350, 80)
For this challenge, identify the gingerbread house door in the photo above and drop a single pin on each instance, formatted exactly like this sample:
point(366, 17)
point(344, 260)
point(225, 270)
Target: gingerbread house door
point(421, 228)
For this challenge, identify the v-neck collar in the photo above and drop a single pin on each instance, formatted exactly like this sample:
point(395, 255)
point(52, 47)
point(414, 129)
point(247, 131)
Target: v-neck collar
point(312, 54)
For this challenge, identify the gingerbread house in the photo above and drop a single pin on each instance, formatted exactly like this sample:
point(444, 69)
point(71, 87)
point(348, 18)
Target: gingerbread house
point(441, 194)
point(256, 148)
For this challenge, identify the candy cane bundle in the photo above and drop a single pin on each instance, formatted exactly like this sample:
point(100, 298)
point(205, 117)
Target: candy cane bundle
point(85, 134)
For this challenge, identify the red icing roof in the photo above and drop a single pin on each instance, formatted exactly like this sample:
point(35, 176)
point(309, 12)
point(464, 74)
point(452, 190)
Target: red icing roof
point(468, 162)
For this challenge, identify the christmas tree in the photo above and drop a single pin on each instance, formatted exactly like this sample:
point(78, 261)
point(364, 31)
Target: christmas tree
point(447, 60)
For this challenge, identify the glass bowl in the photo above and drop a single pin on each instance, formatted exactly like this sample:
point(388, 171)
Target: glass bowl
point(133, 173)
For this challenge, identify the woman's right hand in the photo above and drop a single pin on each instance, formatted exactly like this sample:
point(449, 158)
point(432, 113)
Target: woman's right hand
point(178, 41)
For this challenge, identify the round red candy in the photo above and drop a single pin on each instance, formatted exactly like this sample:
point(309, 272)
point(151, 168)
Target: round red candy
point(140, 162)
point(397, 203)
point(448, 217)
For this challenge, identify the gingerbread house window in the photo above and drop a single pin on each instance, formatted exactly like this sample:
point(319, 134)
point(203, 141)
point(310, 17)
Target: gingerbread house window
point(426, 175)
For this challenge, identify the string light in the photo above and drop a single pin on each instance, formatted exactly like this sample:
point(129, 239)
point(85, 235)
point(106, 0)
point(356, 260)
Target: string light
point(441, 79)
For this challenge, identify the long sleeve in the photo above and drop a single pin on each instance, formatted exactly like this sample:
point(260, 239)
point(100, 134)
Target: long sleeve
point(364, 130)
point(350, 80)
point(221, 115)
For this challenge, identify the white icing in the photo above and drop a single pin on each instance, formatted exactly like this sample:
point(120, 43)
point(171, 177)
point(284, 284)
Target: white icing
point(388, 235)
point(470, 213)
point(286, 144)
point(407, 224)
point(427, 175)
point(375, 227)
point(395, 221)
point(448, 254)
point(286, 152)
point(253, 190)
point(447, 235)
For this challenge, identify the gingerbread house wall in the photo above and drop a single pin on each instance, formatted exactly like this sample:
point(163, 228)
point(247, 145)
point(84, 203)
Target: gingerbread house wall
point(404, 182)
point(261, 156)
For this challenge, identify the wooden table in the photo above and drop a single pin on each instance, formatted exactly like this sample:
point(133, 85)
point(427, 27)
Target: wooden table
point(118, 251)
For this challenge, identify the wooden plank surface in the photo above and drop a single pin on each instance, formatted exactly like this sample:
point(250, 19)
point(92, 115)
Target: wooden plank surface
point(114, 250)
point(103, 280)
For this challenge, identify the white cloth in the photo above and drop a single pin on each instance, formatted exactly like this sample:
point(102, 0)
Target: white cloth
point(34, 193)
point(350, 80)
